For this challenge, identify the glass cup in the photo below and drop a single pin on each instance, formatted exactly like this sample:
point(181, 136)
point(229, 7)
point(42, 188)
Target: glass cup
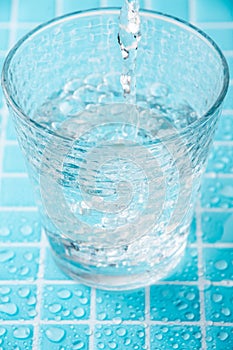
point(115, 181)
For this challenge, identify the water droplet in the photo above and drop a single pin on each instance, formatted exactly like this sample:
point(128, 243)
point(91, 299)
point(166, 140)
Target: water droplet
point(31, 300)
point(182, 306)
point(185, 336)
point(2, 331)
point(22, 332)
point(24, 270)
point(66, 313)
point(140, 334)
point(159, 336)
point(225, 311)
point(55, 334)
point(175, 346)
point(83, 301)
point(221, 265)
point(78, 345)
point(189, 315)
point(102, 316)
point(223, 336)
point(108, 331)
point(101, 345)
point(127, 341)
point(227, 191)
point(9, 308)
point(54, 308)
point(12, 269)
point(64, 294)
point(112, 345)
point(24, 292)
point(32, 313)
point(28, 256)
point(6, 255)
point(217, 297)
point(79, 312)
point(4, 231)
point(26, 230)
point(121, 331)
point(117, 320)
point(190, 296)
point(5, 290)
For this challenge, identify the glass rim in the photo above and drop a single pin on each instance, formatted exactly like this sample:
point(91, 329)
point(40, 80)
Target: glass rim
point(112, 10)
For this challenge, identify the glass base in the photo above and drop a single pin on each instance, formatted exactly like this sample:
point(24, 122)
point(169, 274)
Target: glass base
point(112, 279)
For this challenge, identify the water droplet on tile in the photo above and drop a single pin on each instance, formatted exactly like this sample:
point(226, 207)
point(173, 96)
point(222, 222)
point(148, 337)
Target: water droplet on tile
point(55, 334)
point(101, 345)
point(54, 308)
point(117, 320)
point(226, 311)
point(24, 292)
point(190, 296)
point(227, 191)
point(182, 306)
point(112, 345)
point(6, 255)
point(175, 346)
point(22, 332)
point(26, 230)
point(121, 332)
point(5, 290)
point(221, 265)
point(159, 336)
point(215, 200)
point(12, 269)
point(79, 312)
point(49, 288)
point(88, 332)
point(186, 336)
point(102, 316)
point(83, 301)
point(24, 270)
point(217, 297)
point(4, 231)
point(28, 256)
point(223, 336)
point(99, 300)
point(107, 331)
point(189, 315)
point(9, 309)
point(78, 345)
point(140, 334)
point(32, 313)
point(127, 341)
point(64, 294)
point(66, 313)
point(2, 331)
point(31, 300)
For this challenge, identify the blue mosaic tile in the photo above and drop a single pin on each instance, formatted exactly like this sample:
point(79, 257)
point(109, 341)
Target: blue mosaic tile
point(221, 160)
point(175, 337)
point(52, 271)
point(187, 269)
point(225, 127)
point(72, 5)
point(66, 302)
point(19, 227)
point(16, 337)
point(218, 264)
point(10, 130)
point(16, 192)
point(36, 11)
point(65, 337)
point(174, 8)
point(13, 160)
point(218, 304)
point(222, 37)
point(214, 10)
point(120, 305)
point(217, 193)
point(174, 303)
point(5, 10)
point(19, 263)
point(217, 227)
point(17, 302)
point(130, 337)
point(219, 338)
point(4, 35)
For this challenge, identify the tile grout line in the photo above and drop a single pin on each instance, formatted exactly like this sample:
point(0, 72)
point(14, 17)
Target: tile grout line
point(92, 320)
point(39, 283)
point(147, 317)
point(200, 277)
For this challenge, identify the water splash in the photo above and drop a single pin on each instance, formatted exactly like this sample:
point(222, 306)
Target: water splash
point(128, 38)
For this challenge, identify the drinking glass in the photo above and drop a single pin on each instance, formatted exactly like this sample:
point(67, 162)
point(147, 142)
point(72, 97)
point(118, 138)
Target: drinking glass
point(115, 181)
